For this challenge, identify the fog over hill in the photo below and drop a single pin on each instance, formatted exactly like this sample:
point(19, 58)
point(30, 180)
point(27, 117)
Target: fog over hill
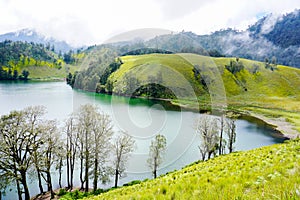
point(29, 35)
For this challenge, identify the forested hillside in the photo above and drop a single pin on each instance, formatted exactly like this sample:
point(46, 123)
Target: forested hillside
point(23, 60)
point(273, 36)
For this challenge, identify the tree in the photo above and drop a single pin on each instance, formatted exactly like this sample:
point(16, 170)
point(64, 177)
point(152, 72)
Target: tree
point(156, 151)
point(15, 74)
point(85, 123)
point(25, 74)
point(221, 139)
point(71, 149)
point(101, 136)
point(94, 131)
point(207, 129)
point(49, 151)
point(231, 132)
point(122, 147)
point(19, 136)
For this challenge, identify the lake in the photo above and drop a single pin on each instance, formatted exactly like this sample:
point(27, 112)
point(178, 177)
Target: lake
point(141, 118)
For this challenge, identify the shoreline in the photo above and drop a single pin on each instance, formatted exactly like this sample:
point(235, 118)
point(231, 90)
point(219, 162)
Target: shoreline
point(280, 125)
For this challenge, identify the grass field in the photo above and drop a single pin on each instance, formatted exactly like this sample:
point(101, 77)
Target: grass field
point(271, 172)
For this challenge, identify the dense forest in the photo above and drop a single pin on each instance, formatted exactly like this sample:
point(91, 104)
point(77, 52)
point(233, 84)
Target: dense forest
point(16, 56)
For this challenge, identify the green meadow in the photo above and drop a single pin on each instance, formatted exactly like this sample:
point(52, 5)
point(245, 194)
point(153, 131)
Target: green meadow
point(271, 172)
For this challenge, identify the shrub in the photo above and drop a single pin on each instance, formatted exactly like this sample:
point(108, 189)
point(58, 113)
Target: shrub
point(62, 192)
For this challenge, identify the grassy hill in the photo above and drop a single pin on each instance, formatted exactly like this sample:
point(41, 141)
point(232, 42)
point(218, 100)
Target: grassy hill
point(261, 89)
point(271, 172)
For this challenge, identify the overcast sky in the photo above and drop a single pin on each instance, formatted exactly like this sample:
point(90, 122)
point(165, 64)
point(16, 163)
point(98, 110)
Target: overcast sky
point(94, 21)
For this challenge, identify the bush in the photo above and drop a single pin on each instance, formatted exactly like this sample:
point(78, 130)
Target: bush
point(132, 183)
point(98, 191)
point(62, 192)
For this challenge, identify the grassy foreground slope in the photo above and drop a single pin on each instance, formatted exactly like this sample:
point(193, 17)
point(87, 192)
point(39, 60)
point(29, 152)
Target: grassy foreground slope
point(273, 95)
point(271, 172)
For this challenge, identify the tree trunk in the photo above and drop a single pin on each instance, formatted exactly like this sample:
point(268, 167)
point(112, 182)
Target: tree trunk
point(81, 173)
point(86, 177)
point(221, 135)
point(116, 178)
point(209, 155)
point(81, 167)
point(25, 186)
point(230, 145)
point(49, 183)
point(17, 182)
point(72, 165)
point(155, 167)
point(68, 168)
point(96, 174)
point(60, 172)
point(40, 181)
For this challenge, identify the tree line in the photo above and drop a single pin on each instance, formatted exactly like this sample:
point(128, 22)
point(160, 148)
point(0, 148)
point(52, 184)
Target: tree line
point(33, 147)
point(15, 56)
point(216, 134)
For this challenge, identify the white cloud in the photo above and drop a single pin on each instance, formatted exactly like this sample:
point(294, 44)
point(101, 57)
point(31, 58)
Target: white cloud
point(93, 21)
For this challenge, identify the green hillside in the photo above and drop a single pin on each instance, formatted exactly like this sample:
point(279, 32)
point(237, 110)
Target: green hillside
point(37, 61)
point(271, 172)
point(262, 89)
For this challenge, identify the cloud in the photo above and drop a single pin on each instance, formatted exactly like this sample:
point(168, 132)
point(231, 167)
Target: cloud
point(94, 21)
point(174, 9)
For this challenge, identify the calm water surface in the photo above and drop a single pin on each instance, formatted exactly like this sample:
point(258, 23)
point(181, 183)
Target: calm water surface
point(140, 118)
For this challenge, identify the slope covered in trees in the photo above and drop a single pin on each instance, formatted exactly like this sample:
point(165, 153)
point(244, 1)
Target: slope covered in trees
point(23, 60)
point(285, 32)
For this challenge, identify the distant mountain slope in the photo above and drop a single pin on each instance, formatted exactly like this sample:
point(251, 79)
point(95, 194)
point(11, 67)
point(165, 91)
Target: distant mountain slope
point(283, 31)
point(272, 36)
point(28, 35)
point(23, 60)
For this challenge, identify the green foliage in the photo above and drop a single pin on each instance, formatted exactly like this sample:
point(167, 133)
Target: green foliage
point(18, 60)
point(270, 172)
point(143, 51)
point(62, 192)
point(134, 182)
point(235, 66)
point(156, 151)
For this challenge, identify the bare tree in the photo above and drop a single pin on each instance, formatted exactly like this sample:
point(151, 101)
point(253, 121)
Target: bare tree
point(49, 152)
point(123, 145)
point(207, 129)
point(221, 139)
point(231, 132)
point(71, 149)
point(101, 134)
point(94, 131)
point(86, 120)
point(19, 136)
point(157, 149)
